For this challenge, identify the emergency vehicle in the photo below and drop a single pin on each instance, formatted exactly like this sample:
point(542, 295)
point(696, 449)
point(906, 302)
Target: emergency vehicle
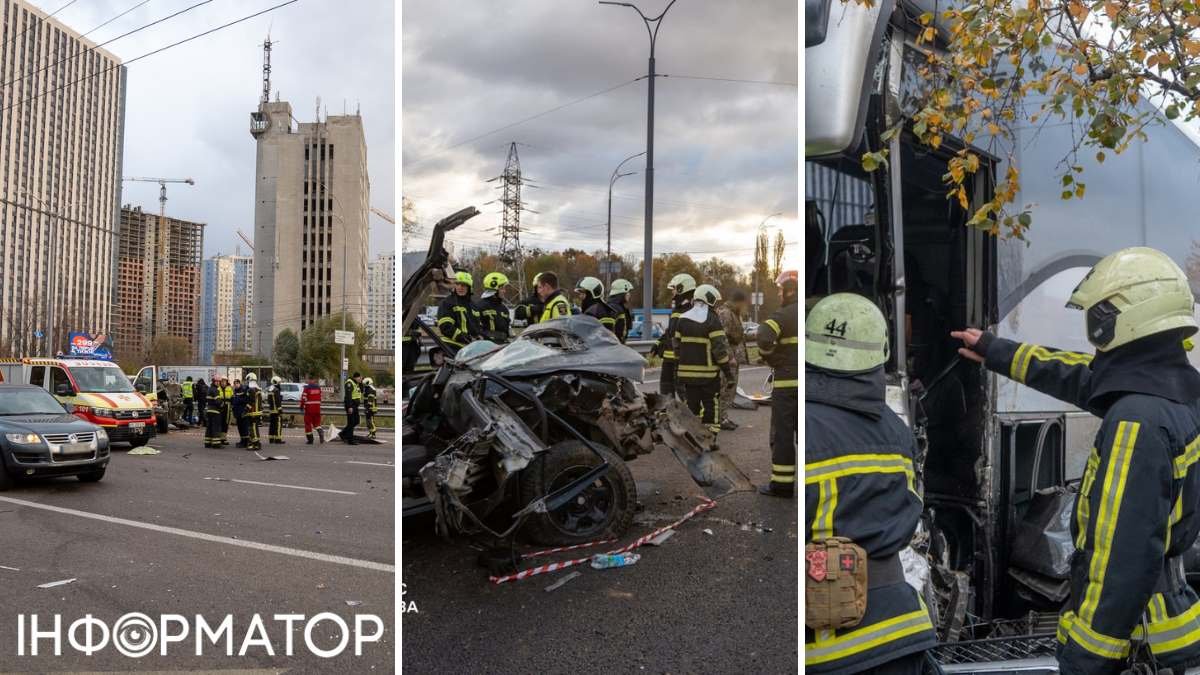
point(96, 391)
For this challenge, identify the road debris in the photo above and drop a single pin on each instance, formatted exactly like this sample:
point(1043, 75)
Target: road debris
point(13, 569)
point(603, 561)
point(267, 458)
point(52, 584)
point(144, 450)
point(353, 603)
point(662, 538)
point(559, 584)
point(707, 531)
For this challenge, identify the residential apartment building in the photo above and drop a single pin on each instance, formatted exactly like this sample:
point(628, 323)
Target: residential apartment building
point(226, 308)
point(381, 302)
point(62, 111)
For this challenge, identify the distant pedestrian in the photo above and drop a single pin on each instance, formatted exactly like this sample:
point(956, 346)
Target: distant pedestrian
point(187, 391)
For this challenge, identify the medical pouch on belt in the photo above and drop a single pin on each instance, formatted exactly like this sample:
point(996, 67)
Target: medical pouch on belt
point(835, 584)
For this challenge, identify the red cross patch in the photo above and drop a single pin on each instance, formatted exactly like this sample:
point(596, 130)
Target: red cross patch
point(847, 562)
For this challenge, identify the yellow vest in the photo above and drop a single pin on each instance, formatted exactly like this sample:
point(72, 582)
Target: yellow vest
point(556, 301)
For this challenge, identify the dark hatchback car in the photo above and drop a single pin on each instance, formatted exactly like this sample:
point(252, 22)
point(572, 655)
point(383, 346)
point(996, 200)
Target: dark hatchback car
point(39, 437)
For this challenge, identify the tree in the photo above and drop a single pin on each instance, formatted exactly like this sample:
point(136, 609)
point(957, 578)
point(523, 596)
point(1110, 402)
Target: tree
point(409, 227)
point(721, 274)
point(168, 350)
point(321, 356)
point(1107, 68)
point(287, 354)
point(777, 255)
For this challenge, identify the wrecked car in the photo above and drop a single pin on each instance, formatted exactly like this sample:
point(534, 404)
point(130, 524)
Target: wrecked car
point(533, 438)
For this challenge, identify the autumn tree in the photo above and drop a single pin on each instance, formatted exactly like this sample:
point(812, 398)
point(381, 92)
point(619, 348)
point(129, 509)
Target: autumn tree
point(169, 350)
point(1106, 68)
point(409, 225)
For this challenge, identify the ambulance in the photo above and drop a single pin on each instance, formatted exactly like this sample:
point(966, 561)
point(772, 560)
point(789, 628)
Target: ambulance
point(96, 391)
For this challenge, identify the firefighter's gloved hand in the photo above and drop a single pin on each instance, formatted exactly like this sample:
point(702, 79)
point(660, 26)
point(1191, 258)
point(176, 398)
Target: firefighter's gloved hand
point(727, 370)
point(975, 343)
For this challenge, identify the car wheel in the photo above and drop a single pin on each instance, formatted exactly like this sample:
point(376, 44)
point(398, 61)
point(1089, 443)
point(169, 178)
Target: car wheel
point(138, 442)
point(604, 509)
point(163, 424)
point(92, 476)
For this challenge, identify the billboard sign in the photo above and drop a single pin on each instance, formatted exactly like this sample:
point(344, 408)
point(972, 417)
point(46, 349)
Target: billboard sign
point(84, 345)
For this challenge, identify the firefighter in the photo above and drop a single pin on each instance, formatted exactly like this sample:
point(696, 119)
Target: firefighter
point(226, 409)
point(702, 354)
point(410, 349)
point(458, 320)
point(310, 403)
point(188, 400)
point(554, 302)
point(493, 311)
point(1135, 516)
point(239, 404)
point(618, 299)
point(351, 401)
point(275, 410)
point(729, 313)
point(370, 404)
point(779, 345)
point(214, 412)
point(529, 309)
point(590, 292)
point(200, 392)
point(254, 407)
point(859, 496)
point(682, 286)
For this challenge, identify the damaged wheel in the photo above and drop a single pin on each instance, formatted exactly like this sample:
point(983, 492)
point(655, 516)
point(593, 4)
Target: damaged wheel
point(604, 508)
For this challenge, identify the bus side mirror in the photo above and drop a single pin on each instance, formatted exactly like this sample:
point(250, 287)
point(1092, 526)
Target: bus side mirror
point(64, 389)
point(141, 388)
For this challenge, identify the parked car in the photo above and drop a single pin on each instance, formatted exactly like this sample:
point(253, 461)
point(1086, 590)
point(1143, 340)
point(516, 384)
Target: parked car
point(40, 437)
point(635, 332)
point(750, 329)
point(291, 391)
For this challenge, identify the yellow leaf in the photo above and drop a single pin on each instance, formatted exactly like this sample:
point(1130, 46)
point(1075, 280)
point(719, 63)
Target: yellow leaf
point(1112, 9)
point(935, 141)
point(962, 198)
point(1078, 11)
point(1080, 69)
point(972, 162)
point(928, 34)
point(956, 171)
point(1192, 47)
point(1079, 191)
point(993, 128)
point(1192, 20)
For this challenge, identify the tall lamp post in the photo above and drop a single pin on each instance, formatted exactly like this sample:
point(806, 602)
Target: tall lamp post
point(616, 174)
point(648, 264)
point(761, 226)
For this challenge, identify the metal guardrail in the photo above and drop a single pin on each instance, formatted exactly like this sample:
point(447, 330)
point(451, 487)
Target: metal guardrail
point(337, 409)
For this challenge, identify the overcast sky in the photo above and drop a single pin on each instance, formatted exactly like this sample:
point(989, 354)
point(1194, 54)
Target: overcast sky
point(725, 152)
point(188, 109)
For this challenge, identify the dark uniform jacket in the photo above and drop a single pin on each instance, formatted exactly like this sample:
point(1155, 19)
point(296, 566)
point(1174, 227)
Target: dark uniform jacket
point(556, 306)
point(699, 344)
point(1137, 509)
point(664, 347)
point(493, 318)
point(602, 312)
point(458, 320)
point(200, 390)
point(274, 398)
point(240, 401)
point(624, 316)
point(370, 397)
point(216, 401)
point(779, 344)
point(529, 309)
point(351, 394)
point(859, 483)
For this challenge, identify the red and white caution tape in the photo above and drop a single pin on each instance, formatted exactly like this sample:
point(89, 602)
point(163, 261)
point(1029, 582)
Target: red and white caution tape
point(554, 567)
point(561, 549)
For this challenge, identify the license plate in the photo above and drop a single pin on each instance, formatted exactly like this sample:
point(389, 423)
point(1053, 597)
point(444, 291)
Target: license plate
point(137, 427)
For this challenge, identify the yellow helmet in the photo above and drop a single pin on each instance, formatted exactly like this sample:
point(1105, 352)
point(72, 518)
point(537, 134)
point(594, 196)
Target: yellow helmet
point(464, 278)
point(682, 283)
point(707, 294)
point(1135, 292)
point(591, 286)
point(845, 333)
point(495, 281)
point(619, 286)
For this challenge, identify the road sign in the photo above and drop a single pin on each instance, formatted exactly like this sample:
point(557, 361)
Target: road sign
point(343, 337)
point(756, 299)
point(345, 364)
point(608, 267)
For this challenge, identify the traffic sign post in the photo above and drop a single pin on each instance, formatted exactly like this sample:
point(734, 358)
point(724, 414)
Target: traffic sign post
point(343, 337)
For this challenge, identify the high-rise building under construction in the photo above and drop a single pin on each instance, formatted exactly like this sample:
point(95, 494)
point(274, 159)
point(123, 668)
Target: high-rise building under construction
point(311, 201)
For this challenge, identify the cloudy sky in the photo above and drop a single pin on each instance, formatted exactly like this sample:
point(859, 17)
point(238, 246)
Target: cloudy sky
point(725, 152)
point(188, 109)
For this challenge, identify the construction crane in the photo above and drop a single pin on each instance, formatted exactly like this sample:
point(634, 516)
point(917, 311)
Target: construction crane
point(247, 240)
point(383, 215)
point(159, 302)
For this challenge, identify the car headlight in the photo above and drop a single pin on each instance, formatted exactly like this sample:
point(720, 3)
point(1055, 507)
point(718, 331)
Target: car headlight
point(101, 434)
point(24, 439)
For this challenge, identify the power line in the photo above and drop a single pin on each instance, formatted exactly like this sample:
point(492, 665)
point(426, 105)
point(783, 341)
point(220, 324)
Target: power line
point(144, 2)
point(730, 79)
point(35, 21)
point(522, 121)
point(156, 51)
point(107, 42)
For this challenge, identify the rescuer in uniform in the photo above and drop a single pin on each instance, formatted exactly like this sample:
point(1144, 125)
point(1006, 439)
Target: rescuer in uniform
point(239, 403)
point(618, 299)
point(410, 349)
point(214, 412)
point(779, 346)
point(859, 495)
point(702, 354)
point(554, 301)
point(254, 407)
point(529, 309)
point(200, 393)
point(590, 292)
point(457, 318)
point(682, 287)
point(188, 399)
point(370, 404)
point(1136, 512)
point(728, 311)
point(275, 412)
point(226, 409)
point(310, 403)
point(351, 401)
point(493, 311)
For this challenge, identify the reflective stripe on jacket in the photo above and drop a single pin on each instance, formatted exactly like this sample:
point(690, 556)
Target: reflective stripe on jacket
point(556, 306)
point(700, 346)
point(779, 345)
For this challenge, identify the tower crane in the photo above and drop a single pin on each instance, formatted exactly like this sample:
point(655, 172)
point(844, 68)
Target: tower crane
point(161, 240)
point(383, 215)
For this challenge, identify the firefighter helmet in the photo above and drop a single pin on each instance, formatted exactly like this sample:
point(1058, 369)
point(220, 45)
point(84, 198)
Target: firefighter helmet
point(464, 278)
point(252, 377)
point(591, 286)
point(536, 278)
point(788, 277)
point(276, 380)
point(367, 380)
point(1133, 293)
point(682, 283)
point(619, 286)
point(707, 294)
point(845, 333)
point(495, 281)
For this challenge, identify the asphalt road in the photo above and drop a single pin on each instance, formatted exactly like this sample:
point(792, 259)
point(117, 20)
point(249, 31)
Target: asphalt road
point(303, 536)
point(701, 603)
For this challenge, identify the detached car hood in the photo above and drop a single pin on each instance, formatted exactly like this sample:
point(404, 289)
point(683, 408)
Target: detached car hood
point(571, 343)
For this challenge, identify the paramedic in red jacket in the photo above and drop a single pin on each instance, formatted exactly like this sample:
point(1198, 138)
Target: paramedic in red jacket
point(310, 403)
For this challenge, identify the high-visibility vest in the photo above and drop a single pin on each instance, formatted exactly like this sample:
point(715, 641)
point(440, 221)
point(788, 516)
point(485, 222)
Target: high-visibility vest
point(564, 308)
point(187, 389)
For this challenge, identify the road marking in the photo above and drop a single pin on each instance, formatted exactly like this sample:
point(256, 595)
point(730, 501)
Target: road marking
point(350, 461)
point(292, 487)
point(270, 548)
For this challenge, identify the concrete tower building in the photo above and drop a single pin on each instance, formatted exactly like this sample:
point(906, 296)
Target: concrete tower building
point(310, 219)
point(381, 299)
point(60, 181)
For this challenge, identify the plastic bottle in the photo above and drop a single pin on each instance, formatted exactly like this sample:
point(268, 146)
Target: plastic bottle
point(602, 561)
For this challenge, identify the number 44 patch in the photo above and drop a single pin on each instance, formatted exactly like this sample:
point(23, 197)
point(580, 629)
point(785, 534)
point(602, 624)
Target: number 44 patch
point(835, 328)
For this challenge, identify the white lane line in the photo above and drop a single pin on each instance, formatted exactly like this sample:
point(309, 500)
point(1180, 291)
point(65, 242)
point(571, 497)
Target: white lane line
point(350, 461)
point(292, 487)
point(270, 548)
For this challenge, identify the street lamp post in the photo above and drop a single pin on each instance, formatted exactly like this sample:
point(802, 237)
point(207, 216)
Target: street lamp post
point(761, 226)
point(648, 259)
point(616, 174)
